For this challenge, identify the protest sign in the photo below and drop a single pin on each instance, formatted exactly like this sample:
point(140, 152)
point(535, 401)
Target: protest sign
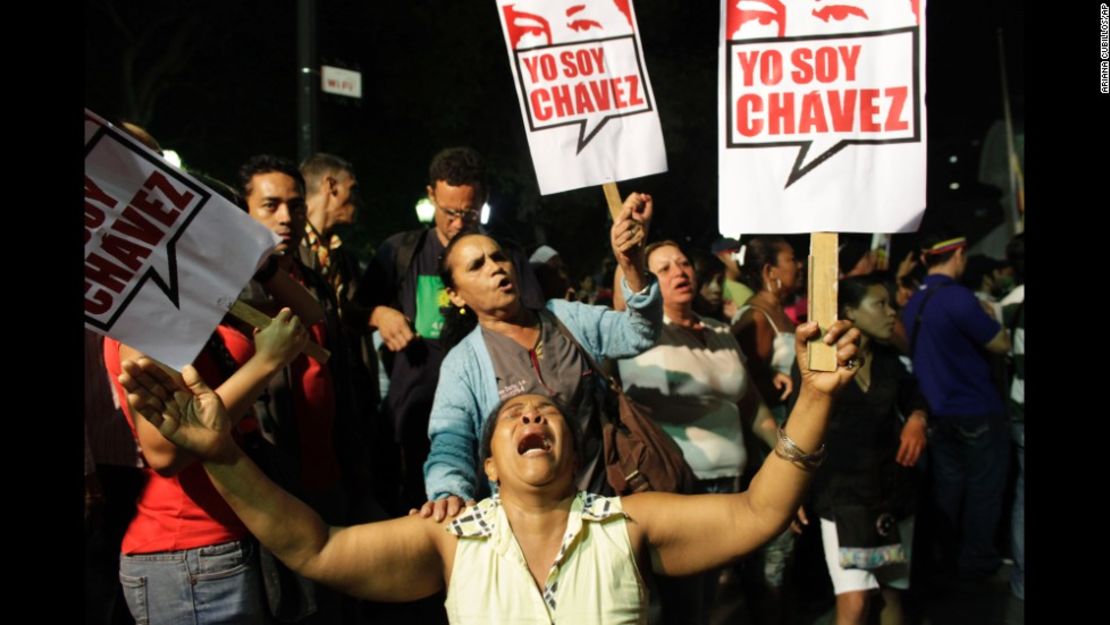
point(585, 96)
point(822, 116)
point(165, 257)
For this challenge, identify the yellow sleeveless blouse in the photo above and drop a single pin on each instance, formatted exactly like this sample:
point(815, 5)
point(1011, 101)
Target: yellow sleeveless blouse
point(594, 578)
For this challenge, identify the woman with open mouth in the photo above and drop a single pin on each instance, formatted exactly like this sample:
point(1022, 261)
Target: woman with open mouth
point(539, 551)
point(505, 349)
point(699, 389)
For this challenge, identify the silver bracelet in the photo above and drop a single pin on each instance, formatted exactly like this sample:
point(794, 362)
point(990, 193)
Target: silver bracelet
point(789, 451)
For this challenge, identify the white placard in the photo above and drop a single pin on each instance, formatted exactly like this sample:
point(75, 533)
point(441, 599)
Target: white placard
point(584, 91)
point(822, 116)
point(165, 256)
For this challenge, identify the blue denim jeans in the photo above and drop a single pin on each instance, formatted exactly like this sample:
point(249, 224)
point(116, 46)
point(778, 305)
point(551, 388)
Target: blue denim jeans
point(970, 460)
point(214, 584)
point(1017, 519)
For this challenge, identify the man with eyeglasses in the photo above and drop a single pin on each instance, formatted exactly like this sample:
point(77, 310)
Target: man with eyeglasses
point(404, 293)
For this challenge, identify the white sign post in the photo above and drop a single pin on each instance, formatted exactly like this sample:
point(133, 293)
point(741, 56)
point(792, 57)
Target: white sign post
point(165, 257)
point(585, 96)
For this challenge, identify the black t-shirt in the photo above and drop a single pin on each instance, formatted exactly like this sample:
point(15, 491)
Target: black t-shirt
point(863, 438)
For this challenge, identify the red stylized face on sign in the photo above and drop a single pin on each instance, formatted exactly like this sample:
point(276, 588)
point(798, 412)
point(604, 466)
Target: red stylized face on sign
point(754, 19)
point(533, 23)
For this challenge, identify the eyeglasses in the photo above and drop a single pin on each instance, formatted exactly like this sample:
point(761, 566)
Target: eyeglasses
point(462, 215)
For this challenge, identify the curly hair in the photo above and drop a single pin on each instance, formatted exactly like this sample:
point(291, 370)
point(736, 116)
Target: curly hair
point(459, 166)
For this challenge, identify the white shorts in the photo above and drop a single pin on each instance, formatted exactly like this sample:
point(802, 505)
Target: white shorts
point(851, 580)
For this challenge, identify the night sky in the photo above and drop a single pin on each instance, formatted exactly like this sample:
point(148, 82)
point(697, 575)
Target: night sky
point(216, 81)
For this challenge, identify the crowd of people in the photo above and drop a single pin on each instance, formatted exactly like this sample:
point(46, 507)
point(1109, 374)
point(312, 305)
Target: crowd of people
point(450, 452)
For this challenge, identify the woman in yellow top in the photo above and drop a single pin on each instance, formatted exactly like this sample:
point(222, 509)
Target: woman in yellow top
point(539, 552)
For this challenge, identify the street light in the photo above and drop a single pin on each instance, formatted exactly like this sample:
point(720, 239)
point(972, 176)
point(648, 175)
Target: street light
point(425, 210)
point(172, 157)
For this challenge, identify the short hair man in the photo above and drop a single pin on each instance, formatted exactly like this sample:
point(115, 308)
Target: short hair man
point(404, 293)
point(951, 334)
point(332, 199)
point(307, 410)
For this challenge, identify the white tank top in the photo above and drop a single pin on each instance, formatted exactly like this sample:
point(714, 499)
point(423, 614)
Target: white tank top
point(783, 355)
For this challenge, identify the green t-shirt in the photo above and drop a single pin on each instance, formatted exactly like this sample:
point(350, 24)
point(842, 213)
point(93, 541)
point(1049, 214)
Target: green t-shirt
point(430, 297)
point(737, 292)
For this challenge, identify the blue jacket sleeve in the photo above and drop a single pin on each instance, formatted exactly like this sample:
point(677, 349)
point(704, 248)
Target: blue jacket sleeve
point(454, 426)
point(610, 334)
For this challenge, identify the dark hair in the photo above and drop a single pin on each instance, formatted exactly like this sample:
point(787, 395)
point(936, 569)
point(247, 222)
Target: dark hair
point(457, 322)
point(931, 239)
point(315, 167)
point(979, 266)
point(706, 266)
point(1015, 253)
point(459, 166)
point(553, 282)
point(490, 424)
point(852, 249)
point(760, 252)
point(850, 291)
point(264, 164)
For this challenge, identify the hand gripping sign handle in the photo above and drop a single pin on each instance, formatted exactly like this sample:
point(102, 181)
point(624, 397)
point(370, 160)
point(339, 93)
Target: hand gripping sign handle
point(821, 294)
point(258, 319)
point(613, 198)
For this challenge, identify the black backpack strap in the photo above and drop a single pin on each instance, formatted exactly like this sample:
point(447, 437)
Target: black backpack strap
point(406, 252)
point(917, 319)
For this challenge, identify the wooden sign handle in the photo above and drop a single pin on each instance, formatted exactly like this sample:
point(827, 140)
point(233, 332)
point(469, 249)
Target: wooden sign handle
point(258, 319)
point(822, 283)
point(613, 198)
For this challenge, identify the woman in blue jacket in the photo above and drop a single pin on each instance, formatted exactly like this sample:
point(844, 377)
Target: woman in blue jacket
point(512, 350)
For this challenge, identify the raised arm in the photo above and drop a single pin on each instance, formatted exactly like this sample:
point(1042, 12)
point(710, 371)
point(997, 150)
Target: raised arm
point(627, 237)
point(397, 560)
point(275, 346)
point(674, 527)
point(637, 208)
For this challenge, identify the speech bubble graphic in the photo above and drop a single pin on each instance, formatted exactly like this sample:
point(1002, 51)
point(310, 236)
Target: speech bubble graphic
point(584, 83)
point(823, 93)
point(132, 225)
